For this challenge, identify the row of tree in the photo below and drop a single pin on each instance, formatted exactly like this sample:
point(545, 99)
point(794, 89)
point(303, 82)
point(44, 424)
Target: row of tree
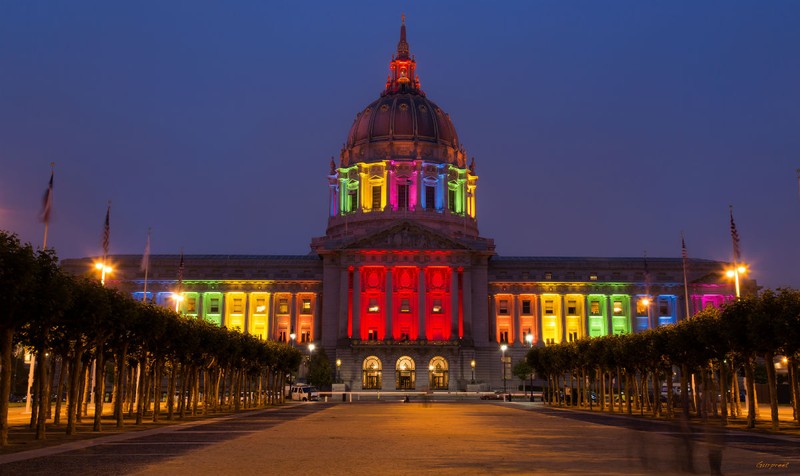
point(709, 353)
point(86, 335)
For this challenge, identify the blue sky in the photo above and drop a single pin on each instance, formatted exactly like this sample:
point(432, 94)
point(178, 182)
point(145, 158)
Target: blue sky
point(598, 128)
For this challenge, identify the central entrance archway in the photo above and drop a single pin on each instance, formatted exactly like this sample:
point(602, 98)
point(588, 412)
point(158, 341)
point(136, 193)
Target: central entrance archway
point(439, 374)
point(405, 374)
point(371, 373)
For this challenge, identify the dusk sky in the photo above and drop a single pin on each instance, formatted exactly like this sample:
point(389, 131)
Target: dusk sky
point(599, 128)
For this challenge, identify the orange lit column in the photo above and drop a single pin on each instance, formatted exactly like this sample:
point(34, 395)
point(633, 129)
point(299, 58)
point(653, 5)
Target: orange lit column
point(389, 324)
point(492, 318)
point(293, 328)
point(537, 318)
point(356, 303)
point(422, 309)
point(518, 340)
point(454, 304)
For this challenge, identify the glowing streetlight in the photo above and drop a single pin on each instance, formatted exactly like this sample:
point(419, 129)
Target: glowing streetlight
point(338, 366)
point(734, 273)
point(472, 364)
point(178, 300)
point(529, 339)
point(311, 347)
point(103, 271)
point(291, 338)
point(503, 349)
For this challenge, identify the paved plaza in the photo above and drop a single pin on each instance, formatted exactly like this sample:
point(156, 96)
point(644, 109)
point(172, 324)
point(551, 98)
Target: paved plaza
point(391, 437)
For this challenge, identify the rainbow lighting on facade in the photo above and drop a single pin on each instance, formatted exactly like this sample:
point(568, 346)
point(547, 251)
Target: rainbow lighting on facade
point(403, 292)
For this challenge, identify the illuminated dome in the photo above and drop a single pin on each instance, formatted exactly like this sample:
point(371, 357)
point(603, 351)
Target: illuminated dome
point(402, 124)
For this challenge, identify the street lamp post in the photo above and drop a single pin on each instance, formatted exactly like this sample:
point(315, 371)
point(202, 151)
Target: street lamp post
point(338, 366)
point(178, 299)
point(103, 271)
point(472, 364)
point(734, 273)
point(529, 339)
point(503, 349)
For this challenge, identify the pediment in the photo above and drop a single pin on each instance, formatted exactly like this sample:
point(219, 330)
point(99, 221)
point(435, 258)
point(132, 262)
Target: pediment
point(406, 236)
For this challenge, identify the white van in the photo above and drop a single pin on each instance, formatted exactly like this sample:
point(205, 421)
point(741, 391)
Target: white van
point(304, 393)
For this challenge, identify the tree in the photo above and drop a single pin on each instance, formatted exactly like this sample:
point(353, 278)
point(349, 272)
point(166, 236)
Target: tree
point(320, 371)
point(523, 371)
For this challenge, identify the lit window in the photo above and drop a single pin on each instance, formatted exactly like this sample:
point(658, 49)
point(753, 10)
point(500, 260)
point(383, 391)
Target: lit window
point(503, 307)
point(373, 305)
point(641, 306)
point(305, 336)
point(549, 308)
point(376, 198)
point(306, 306)
point(405, 306)
point(593, 277)
point(617, 308)
point(437, 306)
point(283, 306)
point(191, 305)
point(572, 337)
point(595, 308)
point(504, 335)
point(213, 305)
point(526, 307)
point(238, 306)
point(261, 305)
point(572, 308)
point(548, 275)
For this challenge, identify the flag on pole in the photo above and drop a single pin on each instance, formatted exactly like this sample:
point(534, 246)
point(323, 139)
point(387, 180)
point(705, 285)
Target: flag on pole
point(107, 231)
point(737, 254)
point(47, 202)
point(146, 256)
point(684, 253)
point(180, 270)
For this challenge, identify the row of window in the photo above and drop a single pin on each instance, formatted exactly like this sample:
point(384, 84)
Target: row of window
point(213, 305)
point(405, 374)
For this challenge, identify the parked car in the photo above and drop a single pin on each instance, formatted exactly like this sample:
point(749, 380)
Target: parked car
point(304, 393)
point(497, 395)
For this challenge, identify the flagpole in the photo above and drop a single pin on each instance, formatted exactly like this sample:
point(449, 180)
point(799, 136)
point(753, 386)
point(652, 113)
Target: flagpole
point(685, 256)
point(46, 207)
point(146, 264)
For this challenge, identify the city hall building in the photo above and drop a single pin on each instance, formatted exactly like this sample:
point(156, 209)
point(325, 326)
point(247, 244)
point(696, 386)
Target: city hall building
point(403, 292)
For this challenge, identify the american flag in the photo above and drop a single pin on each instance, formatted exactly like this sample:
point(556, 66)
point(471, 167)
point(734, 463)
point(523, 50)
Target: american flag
point(146, 256)
point(107, 231)
point(180, 270)
point(737, 254)
point(684, 253)
point(47, 202)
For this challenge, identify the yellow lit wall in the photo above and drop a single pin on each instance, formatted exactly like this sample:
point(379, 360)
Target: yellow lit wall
point(551, 318)
point(258, 324)
point(574, 316)
point(235, 307)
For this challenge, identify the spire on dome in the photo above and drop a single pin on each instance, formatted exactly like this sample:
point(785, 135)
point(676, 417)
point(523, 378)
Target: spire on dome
point(333, 167)
point(402, 46)
point(403, 78)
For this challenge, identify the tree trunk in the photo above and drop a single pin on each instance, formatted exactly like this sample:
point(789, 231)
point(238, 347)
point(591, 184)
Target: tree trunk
point(157, 366)
point(171, 391)
point(119, 379)
point(73, 390)
point(685, 390)
point(6, 342)
point(99, 385)
point(670, 393)
point(751, 390)
point(724, 391)
point(793, 379)
point(44, 395)
point(60, 390)
point(50, 386)
point(773, 389)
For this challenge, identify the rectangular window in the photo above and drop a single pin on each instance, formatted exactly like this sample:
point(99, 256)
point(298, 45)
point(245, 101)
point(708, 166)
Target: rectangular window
point(191, 305)
point(353, 200)
point(405, 333)
point(238, 306)
point(594, 308)
point(618, 308)
point(526, 307)
point(503, 308)
point(213, 305)
point(306, 306)
point(283, 306)
point(282, 336)
point(641, 306)
point(437, 306)
point(572, 337)
point(372, 334)
point(373, 305)
point(305, 336)
point(261, 305)
point(548, 275)
point(663, 307)
point(572, 308)
point(593, 277)
point(430, 198)
point(451, 200)
point(376, 198)
point(504, 335)
point(402, 197)
point(549, 308)
point(405, 305)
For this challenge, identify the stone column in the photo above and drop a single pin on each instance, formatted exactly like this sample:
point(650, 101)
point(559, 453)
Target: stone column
point(517, 341)
point(389, 325)
point(357, 304)
point(293, 316)
point(454, 303)
point(316, 333)
point(609, 301)
point(272, 330)
point(467, 302)
point(342, 329)
point(492, 318)
point(563, 318)
point(537, 318)
point(422, 308)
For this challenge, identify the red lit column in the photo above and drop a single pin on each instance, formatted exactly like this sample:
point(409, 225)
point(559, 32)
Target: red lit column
point(345, 325)
point(422, 309)
point(356, 304)
point(389, 324)
point(454, 304)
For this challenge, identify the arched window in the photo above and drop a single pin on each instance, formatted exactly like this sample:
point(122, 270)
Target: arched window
point(439, 374)
point(405, 374)
point(371, 373)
